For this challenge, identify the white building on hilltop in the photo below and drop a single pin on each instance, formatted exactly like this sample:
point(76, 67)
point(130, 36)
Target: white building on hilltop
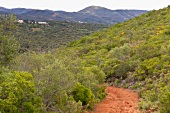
point(20, 21)
point(43, 23)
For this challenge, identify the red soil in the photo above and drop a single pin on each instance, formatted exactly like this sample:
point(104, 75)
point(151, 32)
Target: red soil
point(118, 100)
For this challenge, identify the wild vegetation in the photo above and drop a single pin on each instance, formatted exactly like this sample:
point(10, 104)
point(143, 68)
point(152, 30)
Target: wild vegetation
point(37, 37)
point(134, 54)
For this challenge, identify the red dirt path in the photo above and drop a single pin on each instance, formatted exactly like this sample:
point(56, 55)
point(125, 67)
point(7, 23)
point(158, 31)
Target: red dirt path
point(118, 100)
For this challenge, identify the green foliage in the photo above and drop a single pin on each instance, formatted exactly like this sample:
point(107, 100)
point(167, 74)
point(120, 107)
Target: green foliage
point(157, 94)
point(49, 37)
point(7, 24)
point(54, 83)
point(8, 49)
point(165, 100)
point(135, 57)
point(83, 94)
point(8, 45)
point(56, 76)
point(134, 54)
point(121, 53)
point(17, 93)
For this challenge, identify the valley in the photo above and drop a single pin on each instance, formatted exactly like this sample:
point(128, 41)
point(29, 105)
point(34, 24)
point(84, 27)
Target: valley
point(52, 35)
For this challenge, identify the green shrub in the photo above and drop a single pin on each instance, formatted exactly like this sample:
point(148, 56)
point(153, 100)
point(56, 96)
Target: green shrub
point(17, 93)
point(83, 94)
point(165, 101)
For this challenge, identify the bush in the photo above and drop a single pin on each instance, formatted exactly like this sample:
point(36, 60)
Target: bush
point(83, 94)
point(17, 93)
point(165, 101)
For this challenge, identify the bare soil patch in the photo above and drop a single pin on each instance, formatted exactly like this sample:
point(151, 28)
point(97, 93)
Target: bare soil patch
point(118, 100)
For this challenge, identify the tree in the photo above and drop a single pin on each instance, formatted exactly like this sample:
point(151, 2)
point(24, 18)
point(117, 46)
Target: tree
point(7, 24)
point(8, 45)
point(8, 49)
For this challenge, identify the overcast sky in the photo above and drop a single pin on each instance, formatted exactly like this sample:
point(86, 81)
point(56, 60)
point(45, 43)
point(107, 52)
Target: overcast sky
point(76, 5)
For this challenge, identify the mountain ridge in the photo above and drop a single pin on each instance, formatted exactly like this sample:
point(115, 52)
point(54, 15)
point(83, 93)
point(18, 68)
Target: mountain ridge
point(91, 14)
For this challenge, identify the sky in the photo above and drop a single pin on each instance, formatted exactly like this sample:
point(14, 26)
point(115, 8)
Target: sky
point(76, 5)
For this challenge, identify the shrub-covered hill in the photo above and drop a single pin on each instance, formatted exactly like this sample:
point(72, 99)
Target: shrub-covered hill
point(57, 33)
point(44, 82)
point(134, 54)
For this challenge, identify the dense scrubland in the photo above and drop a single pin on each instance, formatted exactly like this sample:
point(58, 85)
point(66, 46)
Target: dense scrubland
point(134, 54)
point(54, 34)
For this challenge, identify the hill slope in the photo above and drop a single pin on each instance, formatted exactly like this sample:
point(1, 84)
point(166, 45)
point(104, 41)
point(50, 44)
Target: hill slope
point(105, 15)
point(92, 14)
point(56, 34)
point(134, 54)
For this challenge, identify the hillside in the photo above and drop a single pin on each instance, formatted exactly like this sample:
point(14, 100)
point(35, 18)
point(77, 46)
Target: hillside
point(134, 54)
point(38, 37)
point(104, 15)
point(3, 13)
point(91, 14)
point(15, 10)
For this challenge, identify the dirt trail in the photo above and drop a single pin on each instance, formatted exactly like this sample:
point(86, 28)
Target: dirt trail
point(118, 100)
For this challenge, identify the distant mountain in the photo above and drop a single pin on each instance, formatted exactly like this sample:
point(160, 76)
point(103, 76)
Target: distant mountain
point(105, 15)
point(92, 14)
point(15, 10)
point(3, 13)
point(2, 9)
